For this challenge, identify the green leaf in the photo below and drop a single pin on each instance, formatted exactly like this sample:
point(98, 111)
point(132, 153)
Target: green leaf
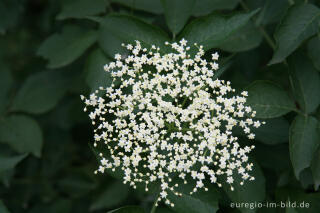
point(280, 155)
point(153, 6)
point(128, 209)
point(272, 11)
point(204, 7)
point(9, 162)
point(304, 140)
point(63, 48)
point(275, 131)
point(250, 191)
point(177, 13)
point(306, 82)
point(96, 75)
point(314, 51)
point(110, 197)
point(110, 43)
point(245, 38)
point(268, 99)
point(81, 8)
point(22, 133)
point(200, 202)
point(213, 30)
point(41, 92)
point(299, 23)
point(315, 168)
point(113, 33)
point(6, 81)
point(306, 179)
point(3, 208)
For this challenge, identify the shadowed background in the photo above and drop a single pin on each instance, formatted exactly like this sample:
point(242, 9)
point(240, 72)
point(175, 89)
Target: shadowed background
point(53, 51)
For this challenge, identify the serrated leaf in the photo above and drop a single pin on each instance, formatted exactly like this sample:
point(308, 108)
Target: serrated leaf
point(306, 82)
point(153, 6)
point(41, 92)
point(299, 23)
point(110, 43)
point(112, 34)
point(213, 30)
point(314, 51)
point(22, 133)
point(275, 131)
point(128, 209)
point(111, 196)
point(250, 191)
point(204, 7)
point(81, 8)
point(177, 13)
point(96, 76)
point(245, 38)
point(304, 140)
point(268, 99)
point(63, 48)
point(272, 11)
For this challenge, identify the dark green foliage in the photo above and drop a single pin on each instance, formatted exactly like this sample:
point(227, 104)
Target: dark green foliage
point(303, 142)
point(177, 13)
point(268, 99)
point(53, 51)
point(300, 22)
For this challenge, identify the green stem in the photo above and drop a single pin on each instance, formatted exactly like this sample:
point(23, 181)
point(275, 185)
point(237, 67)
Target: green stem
point(261, 28)
point(184, 101)
point(173, 36)
point(271, 42)
point(267, 37)
point(154, 206)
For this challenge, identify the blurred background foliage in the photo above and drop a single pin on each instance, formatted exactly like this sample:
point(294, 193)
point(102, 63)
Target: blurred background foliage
point(51, 51)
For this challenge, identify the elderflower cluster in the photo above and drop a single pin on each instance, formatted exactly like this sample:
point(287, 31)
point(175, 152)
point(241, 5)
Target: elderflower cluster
point(166, 117)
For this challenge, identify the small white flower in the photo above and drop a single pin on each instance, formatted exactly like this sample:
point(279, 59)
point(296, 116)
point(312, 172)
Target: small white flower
point(215, 56)
point(230, 180)
point(215, 66)
point(167, 116)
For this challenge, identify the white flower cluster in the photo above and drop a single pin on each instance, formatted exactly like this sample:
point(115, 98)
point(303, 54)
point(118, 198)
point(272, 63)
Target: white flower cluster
point(169, 118)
